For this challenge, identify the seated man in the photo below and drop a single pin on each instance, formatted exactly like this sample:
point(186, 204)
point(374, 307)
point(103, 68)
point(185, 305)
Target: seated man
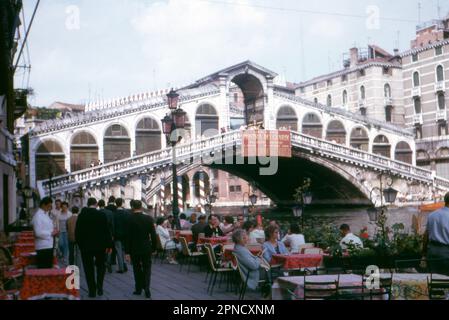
point(213, 228)
point(250, 264)
point(349, 239)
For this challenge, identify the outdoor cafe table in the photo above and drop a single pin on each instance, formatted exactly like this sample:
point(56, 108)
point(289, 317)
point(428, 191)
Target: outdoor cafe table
point(297, 261)
point(47, 283)
point(20, 248)
point(229, 257)
point(405, 286)
point(30, 259)
point(213, 240)
point(186, 234)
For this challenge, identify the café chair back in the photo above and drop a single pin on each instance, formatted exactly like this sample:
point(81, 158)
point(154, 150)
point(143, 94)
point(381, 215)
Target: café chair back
point(313, 251)
point(245, 276)
point(320, 290)
point(438, 288)
point(188, 254)
point(305, 246)
point(383, 291)
point(215, 270)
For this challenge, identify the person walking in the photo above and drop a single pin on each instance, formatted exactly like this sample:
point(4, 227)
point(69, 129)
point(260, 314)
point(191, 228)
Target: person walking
point(94, 240)
point(63, 241)
point(71, 225)
point(112, 207)
point(140, 243)
point(120, 219)
point(110, 217)
point(436, 239)
point(44, 231)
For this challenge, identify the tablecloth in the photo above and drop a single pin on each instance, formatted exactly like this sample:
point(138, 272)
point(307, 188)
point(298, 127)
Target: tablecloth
point(186, 234)
point(213, 240)
point(20, 248)
point(297, 261)
point(45, 283)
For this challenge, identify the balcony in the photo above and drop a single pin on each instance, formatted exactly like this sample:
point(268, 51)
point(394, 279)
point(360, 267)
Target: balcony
point(416, 92)
point(440, 86)
point(441, 115)
point(388, 101)
point(418, 119)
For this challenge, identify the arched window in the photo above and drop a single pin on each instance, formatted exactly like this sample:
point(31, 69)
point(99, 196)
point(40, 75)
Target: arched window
point(403, 152)
point(440, 73)
point(423, 159)
point(49, 157)
point(315, 100)
point(388, 113)
point(206, 121)
point(336, 132)
point(441, 101)
point(116, 144)
point(359, 139)
point(329, 100)
point(381, 146)
point(311, 125)
point(387, 91)
point(417, 104)
point(345, 98)
point(148, 136)
point(287, 119)
point(362, 93)
point(83, 151)
point(442, 164)
point(416, 79)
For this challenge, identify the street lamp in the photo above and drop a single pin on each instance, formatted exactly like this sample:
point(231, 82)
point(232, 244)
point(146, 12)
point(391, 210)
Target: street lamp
point(172, 122)
point(303, 197)
point(211, 199)
point(51, 173)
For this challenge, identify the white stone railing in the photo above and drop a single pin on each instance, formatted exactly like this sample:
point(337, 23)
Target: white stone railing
point(346, 114)
point(199, 149)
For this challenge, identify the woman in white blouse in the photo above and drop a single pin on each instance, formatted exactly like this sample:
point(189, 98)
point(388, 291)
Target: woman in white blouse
point(294, 239)
point(166, 242)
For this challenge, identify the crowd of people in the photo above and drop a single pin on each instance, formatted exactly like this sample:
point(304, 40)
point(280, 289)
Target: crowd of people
point(102, 235)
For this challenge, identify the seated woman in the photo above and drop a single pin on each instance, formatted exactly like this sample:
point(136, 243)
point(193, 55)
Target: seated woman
point(294, 239)
point(249, 263)
point(166, 242)
point(272, 245)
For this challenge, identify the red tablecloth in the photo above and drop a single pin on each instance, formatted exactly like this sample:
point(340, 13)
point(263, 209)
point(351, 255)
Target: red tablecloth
point(25, 241)
point(297, 261)
point(228, 256)
point(213, 240)
point(41, 283)
point(186, 234)
point(20, 248)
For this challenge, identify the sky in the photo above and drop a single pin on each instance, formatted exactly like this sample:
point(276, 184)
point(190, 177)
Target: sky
point(84, 50)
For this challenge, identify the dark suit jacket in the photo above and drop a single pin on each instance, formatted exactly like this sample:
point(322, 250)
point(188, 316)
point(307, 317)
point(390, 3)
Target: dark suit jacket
point(141, 235)
point(209, 231)
point(92, 232)
point(110, 217)
point(120, 220)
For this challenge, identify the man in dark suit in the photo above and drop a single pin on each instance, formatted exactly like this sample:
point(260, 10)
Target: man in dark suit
point(113, 256)
point(120, 220)
point(110, 217)
point(94, 240)
point(140, 243)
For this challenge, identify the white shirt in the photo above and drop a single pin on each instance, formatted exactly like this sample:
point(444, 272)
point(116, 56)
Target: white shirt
point(295, 241)
point(350, 238)
point(164, 235)
point(256, 234)
point(43, 229)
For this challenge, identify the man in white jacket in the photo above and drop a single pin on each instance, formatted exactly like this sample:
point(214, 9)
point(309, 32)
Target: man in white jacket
point(44, 231)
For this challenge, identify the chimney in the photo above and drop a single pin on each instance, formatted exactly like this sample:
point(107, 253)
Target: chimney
point(354, 56)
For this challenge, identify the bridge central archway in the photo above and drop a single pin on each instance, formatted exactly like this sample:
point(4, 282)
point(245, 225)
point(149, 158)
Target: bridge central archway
point(254, 98)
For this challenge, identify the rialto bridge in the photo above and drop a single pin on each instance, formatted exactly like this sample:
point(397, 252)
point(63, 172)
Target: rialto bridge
point(343, 153)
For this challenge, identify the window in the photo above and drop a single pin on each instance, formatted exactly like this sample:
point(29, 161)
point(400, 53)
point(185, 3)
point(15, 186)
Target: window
point(216, 190)
point(441, 101)
point(329, 83)
point(442, 129)
point(417, 103)
point(231, 189)
point(418, 132)
point(416, 79)
point(440, 73)
point(329, 100)
point(439, 50)
point(235, 188)
point(345, 97)
point(415, 57)
point(315, 86)
point(344, 78)
point(387, 91)
point(361, 72)
point(302, 89)
point(315, 100)
point(362, 93)
point(388, 110)
point(387, 71)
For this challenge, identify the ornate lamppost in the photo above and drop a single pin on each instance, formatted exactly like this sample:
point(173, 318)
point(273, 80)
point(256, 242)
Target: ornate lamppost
point(171, 125)
point(210, 199)
point(375, 213)
point(303, 197)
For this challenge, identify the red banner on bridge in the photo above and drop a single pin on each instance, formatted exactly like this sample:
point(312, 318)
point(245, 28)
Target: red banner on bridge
point(266, 143)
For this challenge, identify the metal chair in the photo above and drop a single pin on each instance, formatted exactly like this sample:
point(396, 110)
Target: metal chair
point(438, 288)
point(215, 271)
point(352, 291)
point(385, 287)
point(188, 254)
point(244, 279)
